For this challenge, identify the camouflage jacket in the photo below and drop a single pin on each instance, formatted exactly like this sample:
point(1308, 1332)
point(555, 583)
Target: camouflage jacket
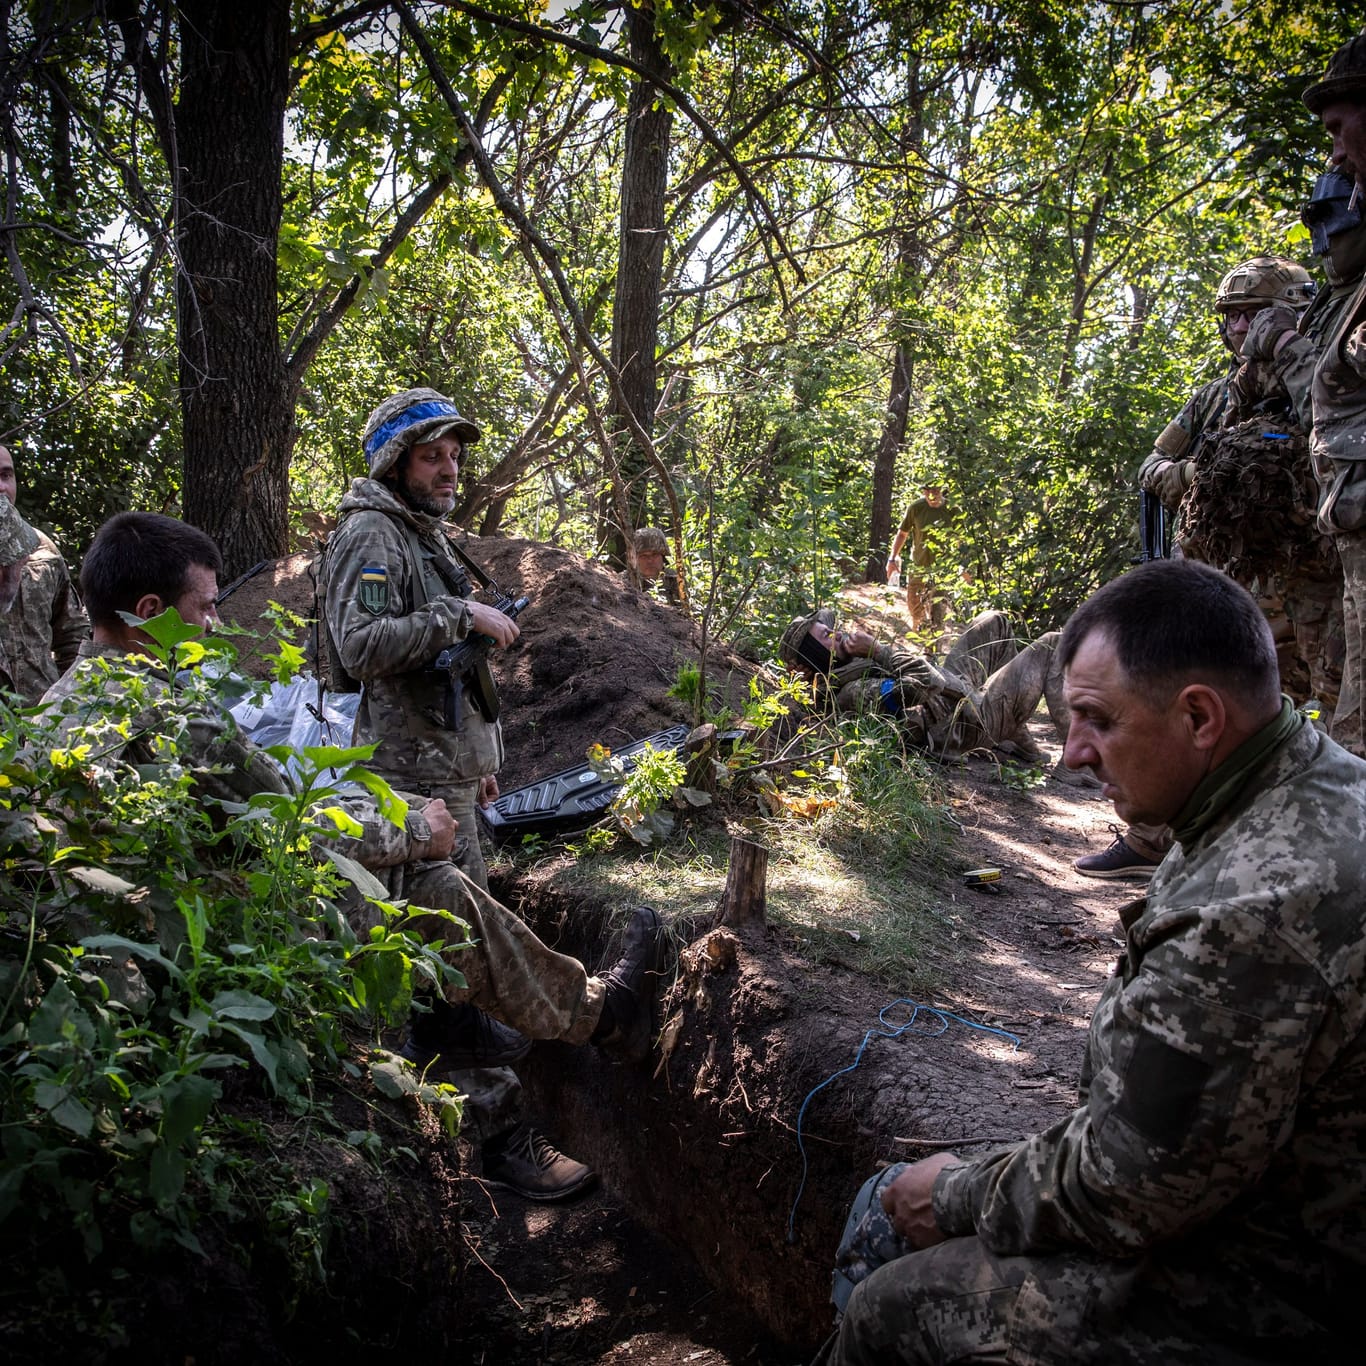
point(902, 682)
point(390, 617)
point(1224, 1086)
point(226, 764)
point(1181, 438)
point(42, 632)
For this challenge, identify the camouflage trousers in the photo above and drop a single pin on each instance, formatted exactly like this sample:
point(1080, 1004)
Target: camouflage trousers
point(1347, 723)
point(987, 644)
point(493, 1095)
point(1314, 607)
point(1001, 709)
point(958, 1302)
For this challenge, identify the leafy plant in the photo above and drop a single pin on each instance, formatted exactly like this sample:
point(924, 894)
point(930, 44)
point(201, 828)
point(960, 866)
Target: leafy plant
point(159, 951)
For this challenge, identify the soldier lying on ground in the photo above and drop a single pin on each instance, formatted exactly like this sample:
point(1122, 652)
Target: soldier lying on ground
point(981, 697)
point(1206, 1201)
point(143, 563)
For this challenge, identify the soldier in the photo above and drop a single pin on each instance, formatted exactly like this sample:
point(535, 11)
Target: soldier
point(649, 551)
point(982, 696)
point(395, 596)
point(47, 624)
point(1338, 387)
point(1206, 1200)
point(1249, 289)
point(922, 603)
point(18, 541)
point(140, 563)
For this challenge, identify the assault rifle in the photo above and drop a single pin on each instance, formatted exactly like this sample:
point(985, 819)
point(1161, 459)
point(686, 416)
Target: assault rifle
point(467, 666)
point(1152, 527)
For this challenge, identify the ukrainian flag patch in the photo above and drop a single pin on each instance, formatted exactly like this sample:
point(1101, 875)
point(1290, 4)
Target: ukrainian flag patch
point(374, 589)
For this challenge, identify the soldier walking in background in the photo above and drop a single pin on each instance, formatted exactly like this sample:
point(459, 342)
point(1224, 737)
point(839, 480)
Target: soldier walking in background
point(926, 607)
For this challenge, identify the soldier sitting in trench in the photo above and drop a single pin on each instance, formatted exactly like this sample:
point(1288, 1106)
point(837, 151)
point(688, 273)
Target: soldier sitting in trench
point(142, 563)
point(981, 697)
point(1205, 1203)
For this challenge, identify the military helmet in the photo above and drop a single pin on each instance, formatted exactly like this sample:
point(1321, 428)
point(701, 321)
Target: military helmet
point(1345, 78)
point(1265, 280)
point(405, 419)
point(790, 646)
point(650, 540)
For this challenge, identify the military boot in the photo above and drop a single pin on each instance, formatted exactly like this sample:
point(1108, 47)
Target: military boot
point(632, 982)
point(524, 1161)
point(461, 1036)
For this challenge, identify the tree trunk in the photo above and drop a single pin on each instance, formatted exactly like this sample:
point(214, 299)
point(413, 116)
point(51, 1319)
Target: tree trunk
point(640, 263)
point(236, 400)
point(910, 271)
point(884, 464)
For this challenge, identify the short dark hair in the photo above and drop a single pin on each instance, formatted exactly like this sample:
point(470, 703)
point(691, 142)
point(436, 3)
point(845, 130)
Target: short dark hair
point(1176, 622)
point(136, 553)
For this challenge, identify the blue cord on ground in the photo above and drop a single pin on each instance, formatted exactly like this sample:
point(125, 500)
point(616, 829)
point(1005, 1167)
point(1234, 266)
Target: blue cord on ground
point(888, 1031)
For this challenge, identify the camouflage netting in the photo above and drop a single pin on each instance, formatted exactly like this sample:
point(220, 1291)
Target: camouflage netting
point(1250, 509)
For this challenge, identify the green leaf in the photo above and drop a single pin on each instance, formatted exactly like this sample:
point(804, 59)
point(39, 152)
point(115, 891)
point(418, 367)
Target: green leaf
point(72, 1114)
point(186, 1103)
point(241, 1005)
point(364, 881)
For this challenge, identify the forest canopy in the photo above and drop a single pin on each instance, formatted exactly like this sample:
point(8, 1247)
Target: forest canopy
point(749, 272)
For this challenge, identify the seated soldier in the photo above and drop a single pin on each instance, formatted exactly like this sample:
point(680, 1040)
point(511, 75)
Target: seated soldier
point(1206, 1200)
point(143, 563)
point(981, 697)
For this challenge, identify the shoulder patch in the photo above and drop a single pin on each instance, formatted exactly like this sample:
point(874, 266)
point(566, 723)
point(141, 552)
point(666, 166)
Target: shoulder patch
point(374, 589)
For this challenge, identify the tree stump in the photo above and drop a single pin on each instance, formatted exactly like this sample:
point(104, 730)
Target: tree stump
point(744, 900)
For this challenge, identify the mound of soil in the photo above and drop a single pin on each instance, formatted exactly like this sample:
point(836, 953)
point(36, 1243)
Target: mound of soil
point(594, 663)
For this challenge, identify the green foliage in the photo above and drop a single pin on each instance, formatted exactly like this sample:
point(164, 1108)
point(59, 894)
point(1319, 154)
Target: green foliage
point(657, 778)
point(160, 954)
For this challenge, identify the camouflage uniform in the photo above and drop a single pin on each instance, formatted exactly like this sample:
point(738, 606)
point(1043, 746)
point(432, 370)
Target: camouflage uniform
point(508, 971)
point(1338, 450)
point(388, 624)
point(45, 627)
point(981, 696)
point(1206, 1203)
point(389, 644)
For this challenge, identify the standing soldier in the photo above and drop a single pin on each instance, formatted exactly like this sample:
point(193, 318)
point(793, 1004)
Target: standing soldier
point(1247, 290)
point(1338, 387)
point(45, 627)
point(18, 541)
point(396, 596)
point(923, 604)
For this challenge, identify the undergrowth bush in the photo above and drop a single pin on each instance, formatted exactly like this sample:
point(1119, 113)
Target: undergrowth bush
point(155, 946)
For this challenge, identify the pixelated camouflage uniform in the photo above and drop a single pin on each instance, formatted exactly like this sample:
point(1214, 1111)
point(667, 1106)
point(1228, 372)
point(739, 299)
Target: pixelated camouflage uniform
point(508, 971)
point(403, 701)
point(44, 629)
point(1206, 1203)
point(981, 696)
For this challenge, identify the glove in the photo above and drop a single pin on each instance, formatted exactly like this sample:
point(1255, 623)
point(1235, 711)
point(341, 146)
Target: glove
point(1265, 330)
point(1170, 479)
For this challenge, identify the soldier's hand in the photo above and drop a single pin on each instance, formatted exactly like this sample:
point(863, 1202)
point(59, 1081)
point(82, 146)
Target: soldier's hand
point(488, 791)
point(1267, 332)
point(443, 826)
point(909, 1200)
point(1168, 479)
point(851, 643)
point(488, 621)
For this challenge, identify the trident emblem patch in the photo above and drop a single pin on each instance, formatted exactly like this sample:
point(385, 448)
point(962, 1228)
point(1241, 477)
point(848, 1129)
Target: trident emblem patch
point(374, 589)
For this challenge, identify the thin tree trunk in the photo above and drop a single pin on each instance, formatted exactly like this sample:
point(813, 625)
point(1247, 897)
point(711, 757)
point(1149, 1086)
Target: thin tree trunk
point(640, 264)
